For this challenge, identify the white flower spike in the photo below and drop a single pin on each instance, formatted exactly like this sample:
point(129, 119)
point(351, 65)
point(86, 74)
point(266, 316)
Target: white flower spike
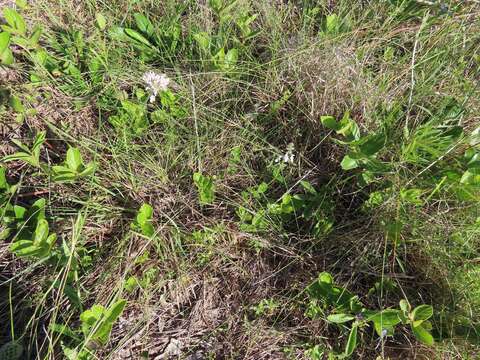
point(155, 83)
point(289, 156)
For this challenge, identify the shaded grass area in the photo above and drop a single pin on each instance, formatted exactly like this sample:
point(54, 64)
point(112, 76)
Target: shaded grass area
point(388, 204)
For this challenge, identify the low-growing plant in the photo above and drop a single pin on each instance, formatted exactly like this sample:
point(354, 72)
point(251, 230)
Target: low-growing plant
point(15, 32)
point(143, 221)
point(96, 326)
point(73, 168)
point(29, 155)
point(19, 221)
point(346, 308)
point(132, 118)
point(206, 188)
point(39, 244)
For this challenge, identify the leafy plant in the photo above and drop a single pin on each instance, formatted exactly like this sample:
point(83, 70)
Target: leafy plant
point(347, 309)
point(6, 55)
point(73, 167)
point(6, 190)
point(132, 118)
point(96, 326)
point(205, 187)
point(20, 221)
point(29, 155)
point(16, 27)
point(39, 244)
point(162, 40)
point(143, 220)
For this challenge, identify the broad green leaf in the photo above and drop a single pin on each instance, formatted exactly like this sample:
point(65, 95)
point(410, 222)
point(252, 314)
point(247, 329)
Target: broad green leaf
point(422, 312)
point(101, 21)
point(203, 40)
point(6, 57)
point(352, 341)
point(16, 104)
point(348, 163)
point(340, 318)
point(385, 320)
point(35, 37)
point(137, 37)
point(15, 20)
point(144, 24)
point(145, 213)
point(74, 159)
point(89, 169)
point(373, 144)
point(325, 278)
point(332, 23)
point(4, 41)
point(423, 335)
point(41, 232)
point(405, 305)
point(231, 57)
point(330, 122)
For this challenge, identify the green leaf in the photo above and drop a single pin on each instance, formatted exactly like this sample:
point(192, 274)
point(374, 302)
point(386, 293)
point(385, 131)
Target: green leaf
point(6, 57)
point(115, 310)
point(330, 122)
point(16, 104)
point(206, 188)
point(385, 320)
point(422, 312)
point(325, 278)
point(22, 4)
point(348, 163)
point(231, 57)
point(373, 144)
point(15, 20)
point(144, 24)
point(41, 232)
point(340, 318)
point(423, 335)
point(101, 21)
point(352, 341)
point(405, 305)
point(137, 37)
point(203, 40)
point(74, 159)
point(4, 41)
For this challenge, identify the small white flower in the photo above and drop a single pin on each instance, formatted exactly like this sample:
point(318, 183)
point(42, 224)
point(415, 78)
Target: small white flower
point(289, 155)
point(155, 83)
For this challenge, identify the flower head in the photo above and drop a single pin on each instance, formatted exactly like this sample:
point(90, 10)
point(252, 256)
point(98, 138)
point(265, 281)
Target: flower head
point(289, 155)
point(155, 83)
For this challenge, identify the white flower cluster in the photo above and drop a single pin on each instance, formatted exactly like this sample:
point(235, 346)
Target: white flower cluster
point(289, 155)
point(155, 83)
